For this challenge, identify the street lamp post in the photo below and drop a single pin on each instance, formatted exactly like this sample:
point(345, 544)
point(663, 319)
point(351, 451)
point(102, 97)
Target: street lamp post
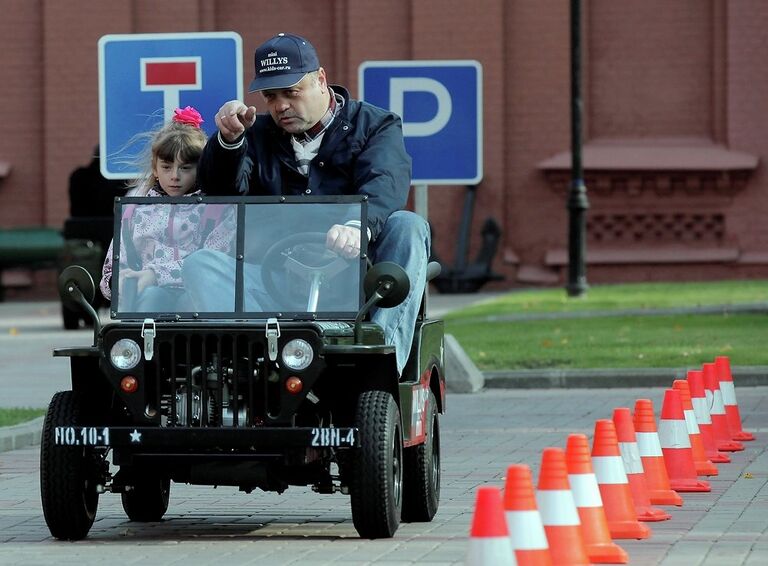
point(577, 197)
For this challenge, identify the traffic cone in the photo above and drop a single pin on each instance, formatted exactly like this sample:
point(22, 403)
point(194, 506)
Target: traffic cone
point(594, 525)
point(489, 543)
point(659, 490)
point(633, 467)
point(728, 390)
point(695, 379)
point(614, 485)
point(526, 531)
point(700, 461)
point(720, 427)
point(676, 446)
point(558, 510)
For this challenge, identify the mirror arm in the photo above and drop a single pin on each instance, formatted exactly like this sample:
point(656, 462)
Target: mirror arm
point(80, 299)
point(381, 292)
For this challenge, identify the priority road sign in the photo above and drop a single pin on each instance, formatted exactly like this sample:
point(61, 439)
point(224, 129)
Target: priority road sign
point(144, 77)
point(440, 103)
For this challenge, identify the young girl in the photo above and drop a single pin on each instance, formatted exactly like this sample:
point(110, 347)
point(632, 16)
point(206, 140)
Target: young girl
point(158, 238)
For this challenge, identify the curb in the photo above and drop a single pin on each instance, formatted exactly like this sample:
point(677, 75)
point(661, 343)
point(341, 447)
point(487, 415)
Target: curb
point(748, 376)
point(21, 435)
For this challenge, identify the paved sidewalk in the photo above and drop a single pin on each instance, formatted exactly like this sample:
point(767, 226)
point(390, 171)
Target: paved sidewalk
point(482, 434)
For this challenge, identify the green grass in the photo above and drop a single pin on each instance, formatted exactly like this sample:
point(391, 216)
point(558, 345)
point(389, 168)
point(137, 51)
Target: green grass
point(9, 417)
point(629, 296)
point(616, 341)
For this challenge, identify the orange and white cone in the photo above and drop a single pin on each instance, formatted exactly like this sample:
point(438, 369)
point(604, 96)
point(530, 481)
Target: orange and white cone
point(659, 490)
point(614, 485)
point(676, 446)
point(594, 524)
point(695, 379)
point(489, 543)
point(526, 531)
point(633, 466)
point(720, 427)
point(700, 461)
point(558, 510)
point(728, 390)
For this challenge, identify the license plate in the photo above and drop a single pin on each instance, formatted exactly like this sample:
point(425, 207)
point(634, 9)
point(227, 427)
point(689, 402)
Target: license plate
point(325, 437)
point(81, 436)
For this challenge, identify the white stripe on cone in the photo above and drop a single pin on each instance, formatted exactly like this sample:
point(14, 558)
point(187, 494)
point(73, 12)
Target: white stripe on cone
point(648, 444)
point(490, 551)
point(673, 434)
point(609, 470)
point(690, 422)
point(717, 407)
point(701, 410)
point(557, 507)
point(630, 455)
point(586, 492)
point(729, 392)
point(526, 530)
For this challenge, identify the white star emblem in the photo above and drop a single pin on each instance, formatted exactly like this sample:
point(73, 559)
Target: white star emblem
point(135, 436)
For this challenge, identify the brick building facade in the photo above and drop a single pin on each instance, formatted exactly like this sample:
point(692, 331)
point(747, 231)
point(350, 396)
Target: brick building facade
point(675, 96)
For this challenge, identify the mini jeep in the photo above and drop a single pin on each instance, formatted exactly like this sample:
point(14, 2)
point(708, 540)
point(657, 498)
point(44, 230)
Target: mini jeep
point(290, 385)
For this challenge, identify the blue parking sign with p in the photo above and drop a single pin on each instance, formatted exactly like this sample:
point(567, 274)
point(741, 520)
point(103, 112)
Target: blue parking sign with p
point(144, 77)
point(440, 104)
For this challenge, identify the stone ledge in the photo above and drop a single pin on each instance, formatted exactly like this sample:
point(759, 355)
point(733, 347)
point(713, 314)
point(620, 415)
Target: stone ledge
point(658, 254)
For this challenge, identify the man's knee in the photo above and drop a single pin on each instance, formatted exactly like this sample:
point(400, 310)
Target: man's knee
point(402, 222)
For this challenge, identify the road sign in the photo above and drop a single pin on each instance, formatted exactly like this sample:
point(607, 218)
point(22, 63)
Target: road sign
point(440, 103)
point(144, 77)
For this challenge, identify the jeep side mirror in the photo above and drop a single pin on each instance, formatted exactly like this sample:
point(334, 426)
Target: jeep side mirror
point(386, 285)
point(389, 281)
point(77, 290)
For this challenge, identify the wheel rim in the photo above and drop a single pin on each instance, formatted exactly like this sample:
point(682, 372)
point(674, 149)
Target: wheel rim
point(397, 466)
point(435, 469)
point(91, 480)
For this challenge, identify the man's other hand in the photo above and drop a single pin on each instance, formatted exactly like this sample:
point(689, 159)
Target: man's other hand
point(344, 240)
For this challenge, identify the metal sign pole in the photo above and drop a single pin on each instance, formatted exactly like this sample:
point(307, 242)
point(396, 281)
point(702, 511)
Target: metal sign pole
point(420, 204)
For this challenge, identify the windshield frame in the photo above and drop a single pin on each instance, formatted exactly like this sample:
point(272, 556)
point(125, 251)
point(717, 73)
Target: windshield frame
point(241, 203)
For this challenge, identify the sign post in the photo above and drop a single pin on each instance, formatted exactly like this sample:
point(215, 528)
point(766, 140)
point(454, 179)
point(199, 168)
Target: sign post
point(144, 77)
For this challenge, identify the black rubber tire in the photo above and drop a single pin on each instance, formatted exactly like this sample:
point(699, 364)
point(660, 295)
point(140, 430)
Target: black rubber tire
point(148, 500)
point(68, 474)
point(377, 479)
point(421, 483)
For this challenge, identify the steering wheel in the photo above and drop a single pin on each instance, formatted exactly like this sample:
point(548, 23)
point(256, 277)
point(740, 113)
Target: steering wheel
point(305, 256)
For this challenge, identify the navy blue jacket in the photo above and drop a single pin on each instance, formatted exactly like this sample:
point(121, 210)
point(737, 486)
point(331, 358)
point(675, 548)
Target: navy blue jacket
point(362, 152)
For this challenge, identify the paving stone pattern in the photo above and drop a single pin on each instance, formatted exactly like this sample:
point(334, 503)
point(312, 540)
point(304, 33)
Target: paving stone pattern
point(482, 434)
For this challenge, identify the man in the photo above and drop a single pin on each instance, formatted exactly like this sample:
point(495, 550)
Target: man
point(316, 140)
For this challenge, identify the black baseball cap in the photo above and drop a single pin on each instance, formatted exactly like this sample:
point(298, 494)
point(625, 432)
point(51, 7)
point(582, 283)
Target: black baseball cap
point(282, 62)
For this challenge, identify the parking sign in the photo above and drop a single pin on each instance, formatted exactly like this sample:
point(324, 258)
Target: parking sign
point(440, 103)
point(144, 77)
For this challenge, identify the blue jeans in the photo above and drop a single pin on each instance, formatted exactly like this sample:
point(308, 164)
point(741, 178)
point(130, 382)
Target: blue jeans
point(404, 240)
point(162, 299)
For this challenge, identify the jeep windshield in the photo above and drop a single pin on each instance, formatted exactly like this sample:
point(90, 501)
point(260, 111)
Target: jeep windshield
point(181, 258)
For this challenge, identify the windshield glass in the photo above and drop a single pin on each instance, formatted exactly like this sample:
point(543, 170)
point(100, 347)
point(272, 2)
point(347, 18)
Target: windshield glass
point(238, 257)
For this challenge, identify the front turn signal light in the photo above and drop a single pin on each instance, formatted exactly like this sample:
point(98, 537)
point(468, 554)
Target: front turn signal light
point(293, 385)
point(129, 384)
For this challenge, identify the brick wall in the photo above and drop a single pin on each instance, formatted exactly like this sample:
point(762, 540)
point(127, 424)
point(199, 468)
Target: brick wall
point(699, 73)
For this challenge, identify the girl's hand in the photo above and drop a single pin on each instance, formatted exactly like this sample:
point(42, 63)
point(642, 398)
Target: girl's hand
point(146, 278)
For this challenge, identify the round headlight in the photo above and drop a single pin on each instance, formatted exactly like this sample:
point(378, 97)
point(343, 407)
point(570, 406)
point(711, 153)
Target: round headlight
point(297, 354)
point(125, 354)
